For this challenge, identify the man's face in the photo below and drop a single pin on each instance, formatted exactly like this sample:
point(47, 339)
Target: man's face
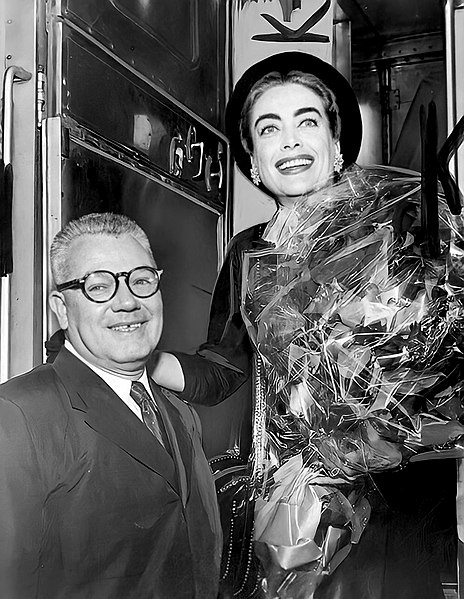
point(120, 334)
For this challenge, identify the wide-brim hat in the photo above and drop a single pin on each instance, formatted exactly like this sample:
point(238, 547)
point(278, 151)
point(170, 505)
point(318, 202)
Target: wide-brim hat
point(350, 115)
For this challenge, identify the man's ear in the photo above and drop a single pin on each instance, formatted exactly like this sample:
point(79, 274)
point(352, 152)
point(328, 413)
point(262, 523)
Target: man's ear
point(57, 303)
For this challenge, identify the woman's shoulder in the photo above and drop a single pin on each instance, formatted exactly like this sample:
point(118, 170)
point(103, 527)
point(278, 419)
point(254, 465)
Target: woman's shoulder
point(245, 239)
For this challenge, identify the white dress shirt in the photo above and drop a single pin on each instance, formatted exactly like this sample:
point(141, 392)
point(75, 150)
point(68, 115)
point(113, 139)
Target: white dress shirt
point(118, 384)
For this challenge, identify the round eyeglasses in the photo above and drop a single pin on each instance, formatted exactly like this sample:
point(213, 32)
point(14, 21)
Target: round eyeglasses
point(102, 285)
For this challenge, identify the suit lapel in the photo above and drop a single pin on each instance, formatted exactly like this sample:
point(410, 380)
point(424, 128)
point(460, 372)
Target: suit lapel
point(108, 415)
point(180, 441)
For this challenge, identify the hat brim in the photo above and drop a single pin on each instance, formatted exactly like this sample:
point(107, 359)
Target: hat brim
point(350, 115)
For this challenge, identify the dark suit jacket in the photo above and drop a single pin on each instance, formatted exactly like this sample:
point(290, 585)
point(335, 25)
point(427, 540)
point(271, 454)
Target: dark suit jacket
point(91, 505)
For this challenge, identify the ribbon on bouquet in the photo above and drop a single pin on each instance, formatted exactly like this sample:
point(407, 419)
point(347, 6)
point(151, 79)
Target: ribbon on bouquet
point(296, 512)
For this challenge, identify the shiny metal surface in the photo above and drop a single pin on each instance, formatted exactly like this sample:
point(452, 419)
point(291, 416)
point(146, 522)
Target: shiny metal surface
point(182, 233)
point(12, 74)
point(378, 21)
point(101, 96)
point(177, 45)
point(136, 135)
point(21, 289)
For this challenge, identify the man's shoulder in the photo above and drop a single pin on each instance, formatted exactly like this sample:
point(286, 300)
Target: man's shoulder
point(39, 376)
point(32, 390)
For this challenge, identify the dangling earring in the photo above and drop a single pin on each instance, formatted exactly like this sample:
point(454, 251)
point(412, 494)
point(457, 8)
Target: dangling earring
point(338, 162)
point(255, 175)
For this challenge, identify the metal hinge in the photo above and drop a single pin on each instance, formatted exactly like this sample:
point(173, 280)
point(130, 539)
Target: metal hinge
point(41, 91)
point(395, 101)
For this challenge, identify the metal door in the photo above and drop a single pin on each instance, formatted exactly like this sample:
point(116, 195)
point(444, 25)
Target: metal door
point(122, 110)
point(179, 46)
point(130, 88)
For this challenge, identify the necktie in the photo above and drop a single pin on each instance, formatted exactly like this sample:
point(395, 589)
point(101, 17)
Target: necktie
point(150, 414)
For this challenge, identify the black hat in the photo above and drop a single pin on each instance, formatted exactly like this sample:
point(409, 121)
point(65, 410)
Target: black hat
point(348, 107)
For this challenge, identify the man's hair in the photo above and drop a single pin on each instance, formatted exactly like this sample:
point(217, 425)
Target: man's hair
point(107, 223)
point(276, 79)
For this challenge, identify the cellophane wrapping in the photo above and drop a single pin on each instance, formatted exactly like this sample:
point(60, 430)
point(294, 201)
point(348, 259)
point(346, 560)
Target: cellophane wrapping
point(358, 326)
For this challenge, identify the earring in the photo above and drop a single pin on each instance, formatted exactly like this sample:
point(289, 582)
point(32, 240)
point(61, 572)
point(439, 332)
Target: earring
point(255, 175)
point(338, 162)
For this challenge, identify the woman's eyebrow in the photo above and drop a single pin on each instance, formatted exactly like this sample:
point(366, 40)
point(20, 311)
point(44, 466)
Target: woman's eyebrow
point(298, 112)
point(269, 115)
point(307, 109)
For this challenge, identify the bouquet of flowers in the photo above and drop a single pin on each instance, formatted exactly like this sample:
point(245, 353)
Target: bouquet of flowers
point(358, 327)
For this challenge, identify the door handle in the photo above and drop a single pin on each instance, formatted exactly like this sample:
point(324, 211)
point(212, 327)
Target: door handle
point(190, 145)
point(176, 156)
point(13, 74)
point(219, 174)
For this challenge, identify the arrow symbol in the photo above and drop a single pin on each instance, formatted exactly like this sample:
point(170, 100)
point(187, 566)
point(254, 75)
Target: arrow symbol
point(292, 35)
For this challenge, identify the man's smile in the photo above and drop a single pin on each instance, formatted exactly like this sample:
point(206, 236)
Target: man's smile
point(126, 328)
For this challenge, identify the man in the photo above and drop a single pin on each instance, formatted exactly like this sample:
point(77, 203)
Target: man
point(105, 491)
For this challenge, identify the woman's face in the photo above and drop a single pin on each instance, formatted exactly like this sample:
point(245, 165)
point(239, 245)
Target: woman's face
point(293, 147)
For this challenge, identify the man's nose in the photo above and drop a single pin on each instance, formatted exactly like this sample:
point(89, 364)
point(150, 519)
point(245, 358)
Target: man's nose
point(124, 299)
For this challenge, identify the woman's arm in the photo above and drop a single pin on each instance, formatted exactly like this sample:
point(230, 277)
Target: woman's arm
point(222, 364)
point(167, 371)
point(209, 379)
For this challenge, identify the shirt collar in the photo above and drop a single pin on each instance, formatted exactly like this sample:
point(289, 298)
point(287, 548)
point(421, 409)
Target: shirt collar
point(283, 221)
point(121, 386)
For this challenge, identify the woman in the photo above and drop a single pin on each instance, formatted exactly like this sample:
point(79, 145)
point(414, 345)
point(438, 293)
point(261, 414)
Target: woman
point(314, 132)
point(322, 101)
point(294, 126)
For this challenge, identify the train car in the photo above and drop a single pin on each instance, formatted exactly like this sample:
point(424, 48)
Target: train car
point(118, 105)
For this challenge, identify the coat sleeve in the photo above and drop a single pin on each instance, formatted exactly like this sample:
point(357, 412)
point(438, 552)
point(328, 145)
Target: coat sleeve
point(223, 363)
point(20, 506)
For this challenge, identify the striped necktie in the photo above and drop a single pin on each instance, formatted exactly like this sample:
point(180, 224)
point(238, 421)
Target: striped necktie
point(150, 413)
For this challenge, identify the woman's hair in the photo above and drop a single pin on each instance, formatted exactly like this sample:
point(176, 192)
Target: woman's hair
point(109, 224)
point(274, 79)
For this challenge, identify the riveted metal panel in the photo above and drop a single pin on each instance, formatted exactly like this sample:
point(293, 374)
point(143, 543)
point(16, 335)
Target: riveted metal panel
point(177, 45)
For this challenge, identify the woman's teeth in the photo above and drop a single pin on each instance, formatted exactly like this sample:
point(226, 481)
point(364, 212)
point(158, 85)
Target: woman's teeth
point(294, 163)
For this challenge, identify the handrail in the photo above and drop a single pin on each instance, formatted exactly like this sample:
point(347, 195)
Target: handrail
point(449, 149)
point(13, 74)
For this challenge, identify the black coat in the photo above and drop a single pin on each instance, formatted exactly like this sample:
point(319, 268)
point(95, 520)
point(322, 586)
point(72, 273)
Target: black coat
point(410, 538)
point(91, 505)
point(209, 378)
